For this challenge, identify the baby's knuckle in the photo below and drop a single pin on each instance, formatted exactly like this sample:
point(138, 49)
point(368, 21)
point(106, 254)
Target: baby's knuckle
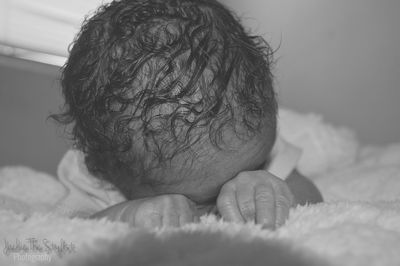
point(247, 207)
point(223, 200)
point(146, 212)
point(147, 207)
point(264, 197)
point(247, 204)
point(173, 213)
point(154, 215)
point(149, 218)
point(282, 201)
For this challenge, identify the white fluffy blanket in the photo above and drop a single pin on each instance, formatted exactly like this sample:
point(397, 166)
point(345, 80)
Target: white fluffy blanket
point(359, 223)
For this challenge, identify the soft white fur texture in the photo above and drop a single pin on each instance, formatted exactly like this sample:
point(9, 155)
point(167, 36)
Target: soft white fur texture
point(359, 223)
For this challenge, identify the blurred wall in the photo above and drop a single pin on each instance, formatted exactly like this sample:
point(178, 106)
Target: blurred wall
point(340, 58)
point(29, 92)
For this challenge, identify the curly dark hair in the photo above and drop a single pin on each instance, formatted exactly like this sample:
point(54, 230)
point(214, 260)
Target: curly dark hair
point(147, 79)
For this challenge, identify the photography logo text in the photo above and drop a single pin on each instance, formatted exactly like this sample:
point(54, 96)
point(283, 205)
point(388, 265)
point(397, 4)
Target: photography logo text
point(37, 250)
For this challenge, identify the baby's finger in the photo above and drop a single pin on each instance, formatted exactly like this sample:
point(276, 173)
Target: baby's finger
point(265, 206)
point(186, 214)
point(186, 218)
point(170, 212)
point(282, 206)
point(147, 216)
point(170, 219)
point(246, 201)
point(283, 201)
point(153, 220)
point(227, 204)
point(186, 210)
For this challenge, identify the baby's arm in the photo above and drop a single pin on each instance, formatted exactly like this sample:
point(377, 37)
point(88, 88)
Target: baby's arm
point(303, 189)
point(165, 210)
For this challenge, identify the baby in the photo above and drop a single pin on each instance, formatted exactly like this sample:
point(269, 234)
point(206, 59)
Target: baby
point(174, 114)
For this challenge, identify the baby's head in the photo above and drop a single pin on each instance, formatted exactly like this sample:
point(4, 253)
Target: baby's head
point(169, 96)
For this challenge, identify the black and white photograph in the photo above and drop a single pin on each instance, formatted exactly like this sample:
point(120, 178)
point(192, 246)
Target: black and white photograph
point(200, 132)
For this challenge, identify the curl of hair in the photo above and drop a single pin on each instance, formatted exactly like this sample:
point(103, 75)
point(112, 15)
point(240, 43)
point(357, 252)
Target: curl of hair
point(146, 79)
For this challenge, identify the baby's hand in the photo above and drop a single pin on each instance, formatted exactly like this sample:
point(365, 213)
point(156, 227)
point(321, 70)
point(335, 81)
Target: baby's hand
point(256, 196)
point(166, 210)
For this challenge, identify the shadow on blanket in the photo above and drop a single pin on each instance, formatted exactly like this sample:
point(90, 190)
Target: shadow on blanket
point(195, 248)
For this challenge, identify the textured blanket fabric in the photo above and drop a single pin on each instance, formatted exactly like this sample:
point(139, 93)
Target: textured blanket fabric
point(359, 223)
point(325, 234)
